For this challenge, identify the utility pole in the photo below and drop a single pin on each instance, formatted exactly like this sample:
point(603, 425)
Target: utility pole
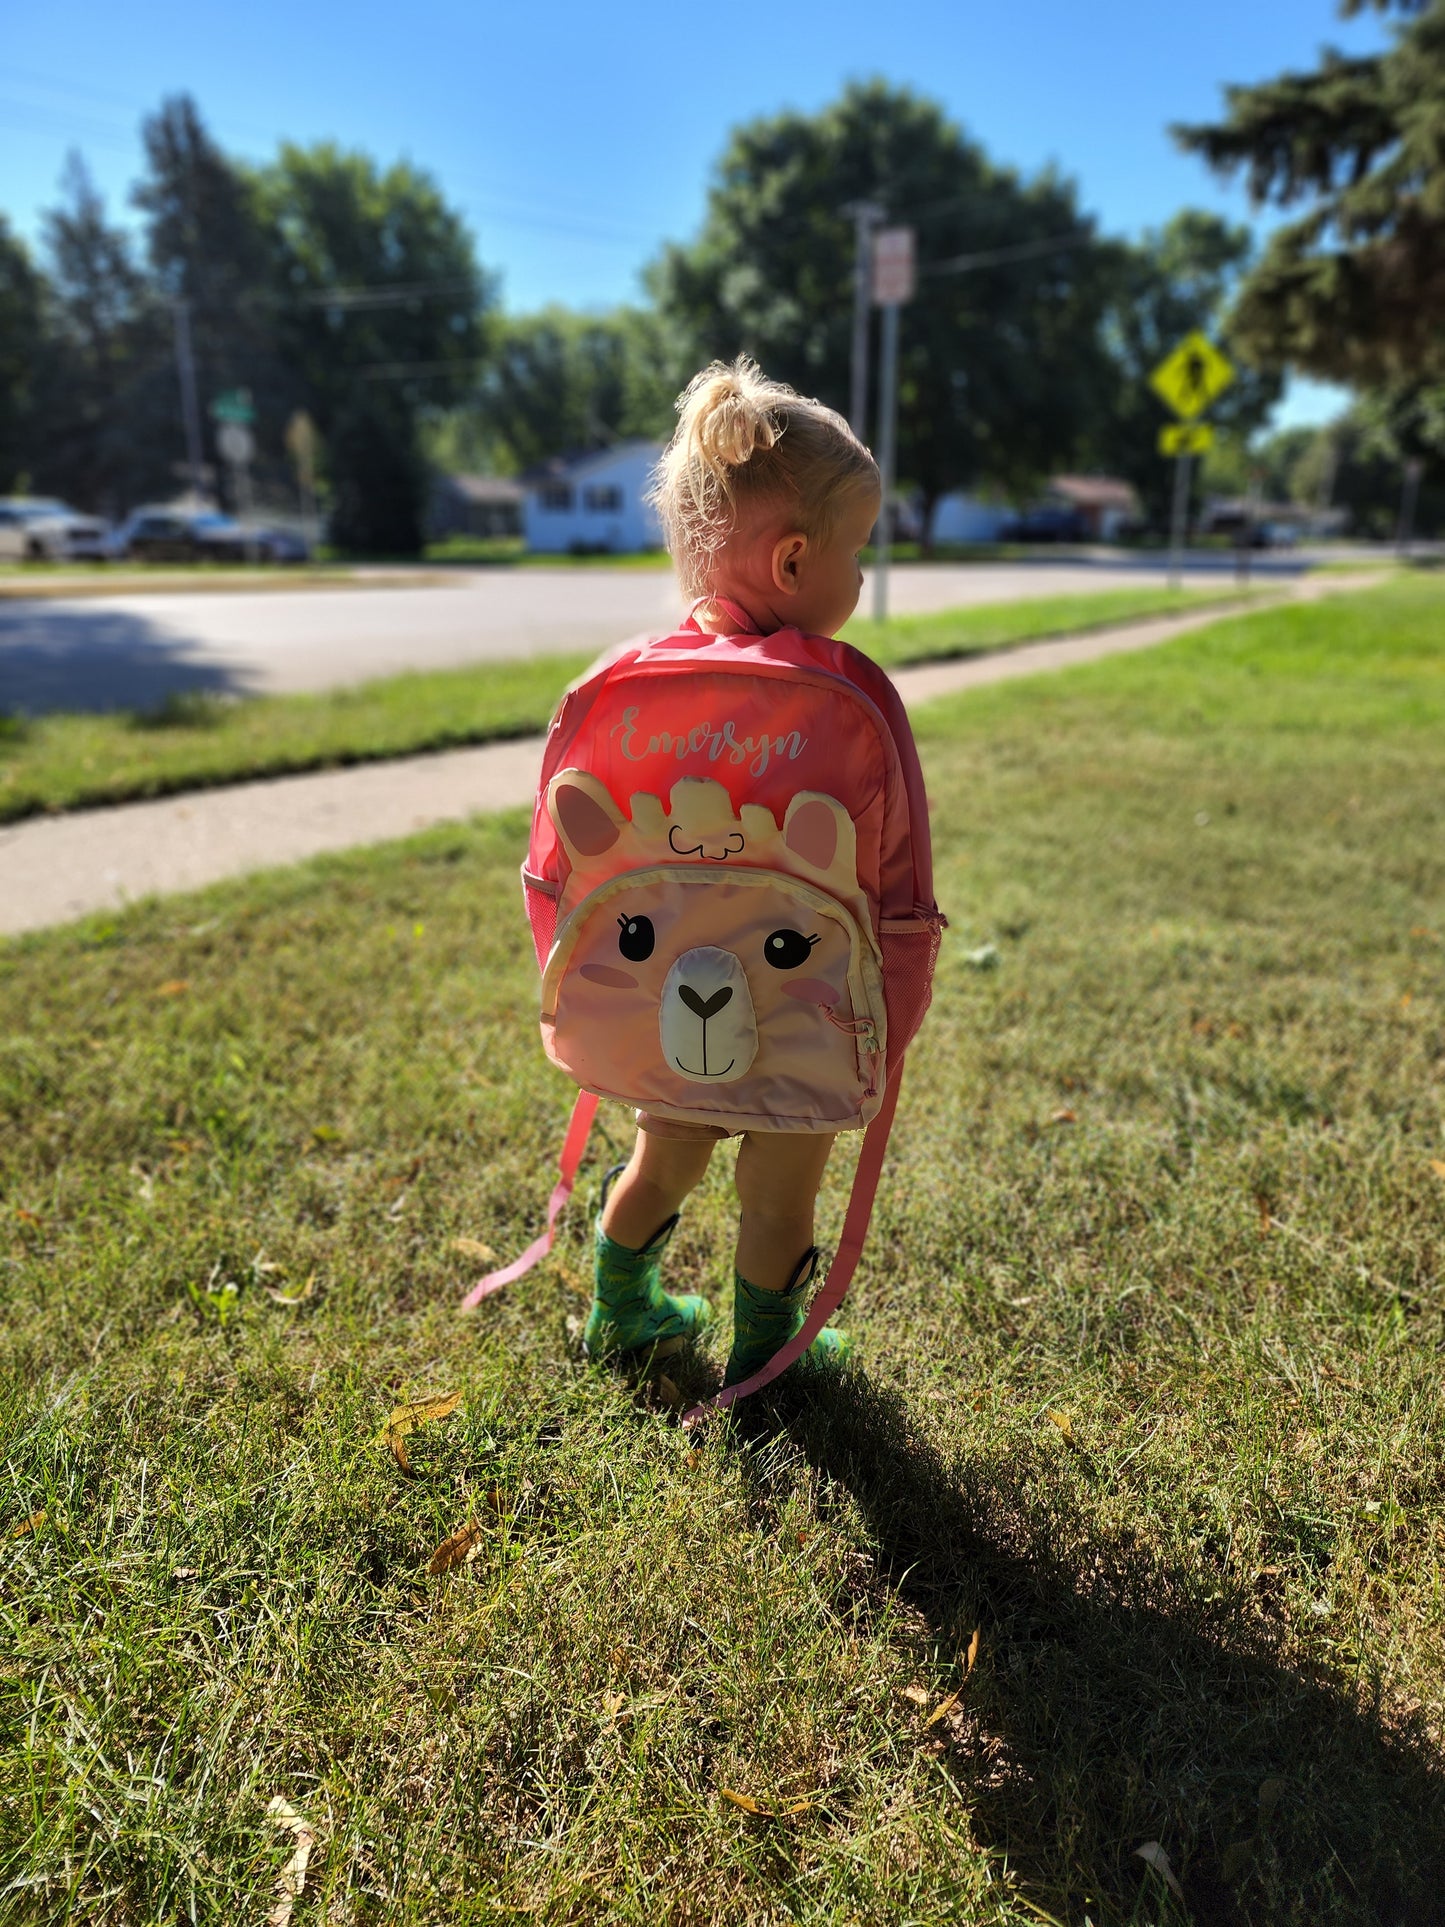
point(1409, 496)
point(887, 435)
point(190, 407)
point(895, 278)
point(866, 215)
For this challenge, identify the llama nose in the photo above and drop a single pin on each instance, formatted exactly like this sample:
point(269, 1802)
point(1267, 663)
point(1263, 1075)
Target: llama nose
point(708, 1007)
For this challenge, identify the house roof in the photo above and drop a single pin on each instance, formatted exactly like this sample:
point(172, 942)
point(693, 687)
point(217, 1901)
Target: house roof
point(577, 464)
point(485, 488)
point(1094, 491)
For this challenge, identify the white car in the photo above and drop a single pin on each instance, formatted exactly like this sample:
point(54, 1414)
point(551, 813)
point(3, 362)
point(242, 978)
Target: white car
point(36, 529)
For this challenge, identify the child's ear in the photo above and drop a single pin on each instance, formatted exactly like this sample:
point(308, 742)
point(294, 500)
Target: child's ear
point(788, 556)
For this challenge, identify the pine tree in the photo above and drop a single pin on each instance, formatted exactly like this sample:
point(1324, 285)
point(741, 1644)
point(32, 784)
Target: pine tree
point(1354, 289)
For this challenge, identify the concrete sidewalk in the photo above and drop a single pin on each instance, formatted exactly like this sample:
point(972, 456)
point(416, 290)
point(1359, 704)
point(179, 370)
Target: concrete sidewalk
point(58, 867)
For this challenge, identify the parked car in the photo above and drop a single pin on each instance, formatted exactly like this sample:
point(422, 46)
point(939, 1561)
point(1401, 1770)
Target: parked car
point(35, 528)
point(187, 535)
point(1049, 522)
point(280, 544)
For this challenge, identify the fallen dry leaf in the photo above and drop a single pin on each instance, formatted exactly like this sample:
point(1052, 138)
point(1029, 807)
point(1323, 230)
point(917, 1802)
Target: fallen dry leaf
point(473, 1248)
point(1063, 1421)
point(612, 1704)
point(459, 1548)
point(943, 1709)
point(1266, 1214)
point(406, 1418)
point(1235, 1858)
point(1437, 1165)
point(668, 1393)
point(971, 1657)
point(918, 1695)
point(1064, 1117)
point(1153, 1855)
point(32, 1524)
point(745, 1803)
point(176, 987)
point(27, 1217)
point(291, 1297)
point(293, 1874)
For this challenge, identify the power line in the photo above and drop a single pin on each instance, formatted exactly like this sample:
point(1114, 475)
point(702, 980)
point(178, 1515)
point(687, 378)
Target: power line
point(379, 294)
point(1023, 251)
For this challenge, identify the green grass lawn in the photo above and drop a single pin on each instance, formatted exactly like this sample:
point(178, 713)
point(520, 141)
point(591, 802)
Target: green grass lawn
point(67, 761)
point(1150, 1328)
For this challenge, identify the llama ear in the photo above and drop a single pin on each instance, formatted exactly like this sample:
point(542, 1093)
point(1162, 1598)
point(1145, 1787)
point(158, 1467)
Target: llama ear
point(587, 819)
point(816, 828)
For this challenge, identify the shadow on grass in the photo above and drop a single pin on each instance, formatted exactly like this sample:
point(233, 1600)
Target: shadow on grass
point(1117, 1702)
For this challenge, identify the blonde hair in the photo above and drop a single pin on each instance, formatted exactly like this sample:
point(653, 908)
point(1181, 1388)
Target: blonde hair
point(745, 444)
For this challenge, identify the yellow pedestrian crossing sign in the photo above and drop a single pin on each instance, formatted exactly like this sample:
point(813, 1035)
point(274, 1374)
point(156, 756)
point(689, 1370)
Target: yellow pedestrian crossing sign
point(1191, 378)
point(1185, 438)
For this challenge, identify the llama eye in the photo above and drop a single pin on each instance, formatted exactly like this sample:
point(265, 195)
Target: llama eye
point(786, 949)
point(635, 938)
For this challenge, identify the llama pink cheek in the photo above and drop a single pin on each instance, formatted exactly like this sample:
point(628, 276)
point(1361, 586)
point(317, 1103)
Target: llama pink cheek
point(609, 978)
point(813, 990)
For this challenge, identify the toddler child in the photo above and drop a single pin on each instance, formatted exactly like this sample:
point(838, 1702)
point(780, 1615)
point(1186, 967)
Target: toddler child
point(766, 500)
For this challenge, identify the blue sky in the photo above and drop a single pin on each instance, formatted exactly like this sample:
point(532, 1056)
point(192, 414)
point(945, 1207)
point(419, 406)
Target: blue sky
point(577, 138)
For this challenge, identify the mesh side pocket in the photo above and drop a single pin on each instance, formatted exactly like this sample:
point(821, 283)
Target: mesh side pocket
point(910, 950)
point(541, 898)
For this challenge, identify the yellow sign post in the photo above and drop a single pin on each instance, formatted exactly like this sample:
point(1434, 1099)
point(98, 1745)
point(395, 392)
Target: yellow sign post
point(1187, 381)
point(1185, 438)
point(1192, 377)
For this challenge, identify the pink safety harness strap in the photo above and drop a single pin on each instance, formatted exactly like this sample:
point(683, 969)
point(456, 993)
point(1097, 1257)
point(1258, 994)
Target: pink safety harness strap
point(840, 1272)
point(573, 1145)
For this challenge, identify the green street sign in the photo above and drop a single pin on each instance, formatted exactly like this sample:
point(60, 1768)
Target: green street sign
point(233, 406)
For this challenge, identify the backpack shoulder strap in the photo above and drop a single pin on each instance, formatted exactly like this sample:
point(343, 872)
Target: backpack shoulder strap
point(840, 1272)
point(573, 1145)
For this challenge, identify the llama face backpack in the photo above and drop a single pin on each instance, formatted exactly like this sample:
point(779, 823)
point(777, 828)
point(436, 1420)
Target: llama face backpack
point(730, 891)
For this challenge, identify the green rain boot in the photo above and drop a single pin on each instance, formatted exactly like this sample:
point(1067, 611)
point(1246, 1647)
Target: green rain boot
point(630, 1311)
point(764, 1321)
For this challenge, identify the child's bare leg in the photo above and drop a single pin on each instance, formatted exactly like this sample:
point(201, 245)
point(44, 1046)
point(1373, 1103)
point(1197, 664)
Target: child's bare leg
point(660, 1174)
point(778, 1176)
point(630, 1310)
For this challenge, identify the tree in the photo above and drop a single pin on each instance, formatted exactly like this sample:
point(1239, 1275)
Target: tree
point(1174, 280)
point(559, 382)
point(105, 373)
point(998, 367)
point(208, 247)
point(22, 315)
point(1353, 290)
point(381, 309)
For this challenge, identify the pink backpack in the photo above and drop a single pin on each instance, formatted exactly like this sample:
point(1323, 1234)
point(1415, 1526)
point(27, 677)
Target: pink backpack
point(730, 889)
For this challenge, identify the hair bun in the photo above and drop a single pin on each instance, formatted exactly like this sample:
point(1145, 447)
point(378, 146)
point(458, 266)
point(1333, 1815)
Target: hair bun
point(726, 416)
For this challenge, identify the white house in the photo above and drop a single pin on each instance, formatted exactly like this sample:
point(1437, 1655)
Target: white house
point(964, 518)
point(593, 504)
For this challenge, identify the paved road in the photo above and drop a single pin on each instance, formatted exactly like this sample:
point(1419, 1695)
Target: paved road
point(131, 651)
point(54, 868)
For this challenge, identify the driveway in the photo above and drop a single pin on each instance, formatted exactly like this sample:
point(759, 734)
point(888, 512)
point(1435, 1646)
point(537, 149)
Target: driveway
point(132, 651)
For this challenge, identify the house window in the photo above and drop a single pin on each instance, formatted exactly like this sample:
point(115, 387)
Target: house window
point(603, 500)
point(555, 495)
